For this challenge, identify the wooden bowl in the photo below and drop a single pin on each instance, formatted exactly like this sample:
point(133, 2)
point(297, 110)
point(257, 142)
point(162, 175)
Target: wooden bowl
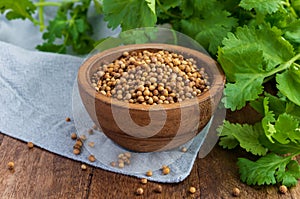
point(146, 128)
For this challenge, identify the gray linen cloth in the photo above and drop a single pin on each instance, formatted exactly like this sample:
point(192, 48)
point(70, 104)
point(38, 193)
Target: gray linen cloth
point(39, 90)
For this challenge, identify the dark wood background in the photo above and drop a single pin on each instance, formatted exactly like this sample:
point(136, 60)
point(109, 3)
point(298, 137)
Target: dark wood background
point(41, 174)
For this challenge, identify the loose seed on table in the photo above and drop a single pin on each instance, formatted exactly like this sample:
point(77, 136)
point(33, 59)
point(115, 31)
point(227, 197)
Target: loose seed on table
point(144, 180)
point(283, 189)
point(236, 191)
point(158, 189)
point(83, 167)
point(30, 145)
point(121, 165)
point(192, 190)
point(92, 158)
point(11, 165)
point(139, 191)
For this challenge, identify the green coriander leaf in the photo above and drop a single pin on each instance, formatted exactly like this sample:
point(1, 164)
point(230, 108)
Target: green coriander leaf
point(214, 27)
point(258, 105)
point(49, 47)
point(186, 8)
point(247, 85)
point(20, 9)
point(248, 57)
point(288, 175)
point(289, 86)
point(129, 13)
point(286, 129)
point(261, 6)
point(293, 110)
point(275, 49)
point(246, 135)
point(279, 148)
point(276, 104)
point(292, 32)
point(270, 169)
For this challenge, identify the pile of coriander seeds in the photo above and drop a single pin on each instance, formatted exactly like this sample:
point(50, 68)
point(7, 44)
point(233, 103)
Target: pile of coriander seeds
point(151, 77)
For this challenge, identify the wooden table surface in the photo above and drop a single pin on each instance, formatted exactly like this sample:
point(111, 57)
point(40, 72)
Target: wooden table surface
point(39, 174)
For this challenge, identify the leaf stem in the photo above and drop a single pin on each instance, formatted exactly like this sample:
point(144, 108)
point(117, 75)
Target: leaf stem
point(284, 66)
point(57, 4)
point(41, 16)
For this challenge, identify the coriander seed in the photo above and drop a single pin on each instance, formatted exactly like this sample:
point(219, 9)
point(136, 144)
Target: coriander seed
point(91, 144)
point(92, 158)
point(73, 136)
point(283, 189)
point(183, 149)
point(83, 167)
point(90, 131)
point(76, 151)
point(166, 170)
point(139, 191)
point(121, 165)
point(30, 145)
point(68, 119)
point(149, 173)
point(113, 164)
point(192, 190)
point(144, 180)
point(11, 165)
point(158, 189)
point(236, 192)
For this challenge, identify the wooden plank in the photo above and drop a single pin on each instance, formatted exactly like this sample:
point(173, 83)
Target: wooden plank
point(39, 174)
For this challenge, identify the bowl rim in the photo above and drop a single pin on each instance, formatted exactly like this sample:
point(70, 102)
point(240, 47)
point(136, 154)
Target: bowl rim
point(84, 79)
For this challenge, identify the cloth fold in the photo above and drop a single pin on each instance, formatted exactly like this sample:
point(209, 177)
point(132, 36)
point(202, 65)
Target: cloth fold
point(39, 90)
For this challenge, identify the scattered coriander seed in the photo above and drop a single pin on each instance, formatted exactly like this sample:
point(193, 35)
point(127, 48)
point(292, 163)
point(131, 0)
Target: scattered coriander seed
point(90, 131)
point(78, 142)
point(192, 190)
point(144, 180)
point(113, 164)
point(76, 151)
point(158, 189)
point(91, 144)
point(68, 119)
point(95, 127)
point(83, 137)
point(283, 189)
point(149, 173)
point(127, 154)
point(121, 165)
point(83, 167)
point(73, 136)
point(121, 155)
point(139, 191)
point(30, 145)
point(166, 170)
point(183, 149)
point(236, 192)
point(92, 158)
point(11, 165)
